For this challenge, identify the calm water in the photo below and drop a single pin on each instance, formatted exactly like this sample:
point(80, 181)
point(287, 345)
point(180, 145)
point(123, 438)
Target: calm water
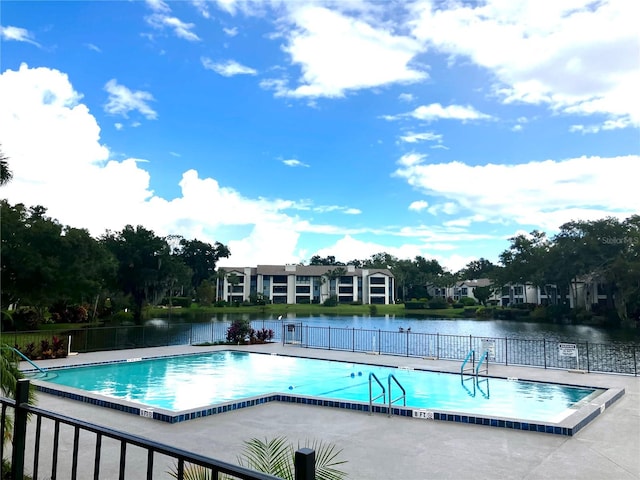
point(477, 328)
point(194, 381)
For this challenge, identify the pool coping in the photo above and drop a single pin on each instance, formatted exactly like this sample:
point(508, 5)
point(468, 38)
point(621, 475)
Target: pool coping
point(568, 426)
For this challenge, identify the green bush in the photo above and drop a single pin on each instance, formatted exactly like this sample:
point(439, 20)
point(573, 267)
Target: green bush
point(332, 301)
point(484, 312)
point(437, 303)
point(414, 305)
point(468, 301)
point(458, 305)
point(184, 302)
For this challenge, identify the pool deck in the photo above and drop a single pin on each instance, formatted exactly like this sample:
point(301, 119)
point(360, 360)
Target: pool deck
point(376, 446)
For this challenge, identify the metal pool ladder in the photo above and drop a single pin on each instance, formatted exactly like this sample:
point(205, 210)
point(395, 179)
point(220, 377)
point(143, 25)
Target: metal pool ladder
point(402, 397)
point(372, 376)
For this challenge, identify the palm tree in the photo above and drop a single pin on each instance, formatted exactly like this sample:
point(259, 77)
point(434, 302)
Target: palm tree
point(5, 173)
point(276, 457)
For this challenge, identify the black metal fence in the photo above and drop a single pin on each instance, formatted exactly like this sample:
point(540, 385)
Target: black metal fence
point(76, 450)
point(592, 357)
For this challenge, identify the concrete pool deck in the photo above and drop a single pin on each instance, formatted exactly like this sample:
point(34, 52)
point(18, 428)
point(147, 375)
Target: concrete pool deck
point(376, 446)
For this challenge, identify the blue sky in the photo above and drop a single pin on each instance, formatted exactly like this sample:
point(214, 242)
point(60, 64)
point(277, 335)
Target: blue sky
point(286, 129)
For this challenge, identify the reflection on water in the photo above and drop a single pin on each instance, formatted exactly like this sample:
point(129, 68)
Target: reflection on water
point(476, 328)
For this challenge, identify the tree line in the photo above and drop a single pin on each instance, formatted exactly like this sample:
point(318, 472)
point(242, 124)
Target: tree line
point(50, 267)
point(605, 251)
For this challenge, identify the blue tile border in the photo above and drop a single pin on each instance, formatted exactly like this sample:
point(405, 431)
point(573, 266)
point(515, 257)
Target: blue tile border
point(167, 416)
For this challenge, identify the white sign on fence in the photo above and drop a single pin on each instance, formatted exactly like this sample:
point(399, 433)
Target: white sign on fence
point(489, 346)
point(568, 350)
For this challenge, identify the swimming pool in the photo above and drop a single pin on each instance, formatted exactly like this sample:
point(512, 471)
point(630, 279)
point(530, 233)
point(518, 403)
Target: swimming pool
point(184, 387)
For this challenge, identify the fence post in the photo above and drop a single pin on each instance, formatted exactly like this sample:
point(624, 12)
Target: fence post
point(408, 333)
point(587, 357)
point(19, 429)
point(305, 464)
point(353, 339)
point(544, 351)
point(437, 345)
point(506, 352)
point(379, 349)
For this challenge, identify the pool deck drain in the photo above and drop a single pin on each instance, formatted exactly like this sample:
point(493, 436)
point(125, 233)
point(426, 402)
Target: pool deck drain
point(376, 446)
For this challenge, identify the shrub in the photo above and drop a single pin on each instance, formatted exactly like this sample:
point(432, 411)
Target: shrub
point(437, 303)
point(239, 331)
point(332, 301)
point(468, 301)
point(373, 310)
point(414, 305)
point(263, 335)
point(458, 305)
point(484, 312)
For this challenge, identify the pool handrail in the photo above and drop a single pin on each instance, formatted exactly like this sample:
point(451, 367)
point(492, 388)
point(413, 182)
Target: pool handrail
point(402, 397)
point(25, 358)
point(484, 358)
point(383, 394)
point(471, 355)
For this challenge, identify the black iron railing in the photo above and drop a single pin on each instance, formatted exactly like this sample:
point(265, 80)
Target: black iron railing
point(621, 358)
point(89, 442)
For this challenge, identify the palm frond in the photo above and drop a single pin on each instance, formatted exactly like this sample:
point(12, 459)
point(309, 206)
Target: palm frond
point(326, 460)
point(273, 456)
point(192, 472)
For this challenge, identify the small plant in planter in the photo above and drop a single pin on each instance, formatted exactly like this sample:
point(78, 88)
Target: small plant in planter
point(239, 331)
point(264, 335)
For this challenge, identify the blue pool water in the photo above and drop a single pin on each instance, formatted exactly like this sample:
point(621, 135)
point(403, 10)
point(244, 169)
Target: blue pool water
point(194, 381)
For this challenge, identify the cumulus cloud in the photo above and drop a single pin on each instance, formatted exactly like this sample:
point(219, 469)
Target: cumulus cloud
point(435, 111)
point(17, 34)
point(418, 205)
point(578, 56)
point(349, 248)
point(338, 53)
point(122, 101)
point(545, 193)
point(228, 68)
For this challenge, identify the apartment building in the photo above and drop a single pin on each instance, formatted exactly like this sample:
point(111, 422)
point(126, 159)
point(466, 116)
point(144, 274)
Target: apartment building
point(583, 292)
point(307, 284)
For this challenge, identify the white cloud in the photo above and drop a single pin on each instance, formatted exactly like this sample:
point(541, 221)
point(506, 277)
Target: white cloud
point(338, 53)
point(292, 162)
point(421, 137)
point(232, 32)
point(348, 248)
point(435, 111)
point(406, 97)
point(17, 34)
point(546, 194)
point(69, 171)
point(418, 205)
point(93, 47)
point(161, 19)
point(577, 56)
point(228, 68)
point(122, 101)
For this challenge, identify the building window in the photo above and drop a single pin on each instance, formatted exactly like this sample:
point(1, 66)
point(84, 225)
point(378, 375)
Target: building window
point(518, 290)
point(280, 289)
point(464, 291)
point(279, 279)
point(303, 289)
point(303, 299)
point(303, 280)
point(346, 280)
point(378, 290)
point(377, 280)
point(345, 290)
